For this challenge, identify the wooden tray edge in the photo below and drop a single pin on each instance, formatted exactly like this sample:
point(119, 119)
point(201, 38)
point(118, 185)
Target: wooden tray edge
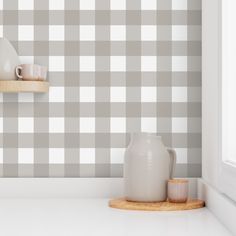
point(122, 204)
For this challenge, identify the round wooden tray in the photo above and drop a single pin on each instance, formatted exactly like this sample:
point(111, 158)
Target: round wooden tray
point(121, 203)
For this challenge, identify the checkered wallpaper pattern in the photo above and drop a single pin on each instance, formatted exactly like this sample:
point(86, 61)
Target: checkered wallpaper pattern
point(115, 67)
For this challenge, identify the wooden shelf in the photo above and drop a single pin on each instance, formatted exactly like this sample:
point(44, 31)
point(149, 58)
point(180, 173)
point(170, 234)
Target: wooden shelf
point(17, 86)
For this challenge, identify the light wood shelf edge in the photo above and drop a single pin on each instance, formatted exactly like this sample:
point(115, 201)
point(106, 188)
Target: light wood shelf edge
point(17, 86)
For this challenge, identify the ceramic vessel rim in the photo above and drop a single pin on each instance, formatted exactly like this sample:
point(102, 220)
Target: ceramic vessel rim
point(32, 64)
point(178, 181)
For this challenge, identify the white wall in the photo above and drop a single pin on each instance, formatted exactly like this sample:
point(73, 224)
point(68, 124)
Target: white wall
point(210, 93)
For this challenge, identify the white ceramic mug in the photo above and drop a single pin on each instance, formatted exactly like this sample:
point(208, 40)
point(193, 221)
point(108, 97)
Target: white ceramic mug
point(31, 72)
point(178, 190)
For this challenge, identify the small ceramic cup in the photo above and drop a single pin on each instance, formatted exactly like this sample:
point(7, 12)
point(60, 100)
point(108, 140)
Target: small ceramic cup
point(31, 72)
point(177, 190)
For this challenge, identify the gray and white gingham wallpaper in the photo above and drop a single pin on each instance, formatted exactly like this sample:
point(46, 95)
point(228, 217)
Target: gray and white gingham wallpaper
point(115, 67)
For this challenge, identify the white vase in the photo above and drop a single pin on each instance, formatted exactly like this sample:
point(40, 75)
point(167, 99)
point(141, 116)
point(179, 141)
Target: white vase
point(8, 60)
point(148, 166)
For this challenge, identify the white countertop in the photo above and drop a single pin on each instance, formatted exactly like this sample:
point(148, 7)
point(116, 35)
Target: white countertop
point(88, 217)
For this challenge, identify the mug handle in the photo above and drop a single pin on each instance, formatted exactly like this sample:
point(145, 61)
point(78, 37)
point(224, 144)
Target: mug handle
point(172, 154)
point(18, 68)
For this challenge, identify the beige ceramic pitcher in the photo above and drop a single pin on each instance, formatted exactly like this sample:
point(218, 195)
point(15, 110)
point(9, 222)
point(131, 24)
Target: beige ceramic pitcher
point(148, 166)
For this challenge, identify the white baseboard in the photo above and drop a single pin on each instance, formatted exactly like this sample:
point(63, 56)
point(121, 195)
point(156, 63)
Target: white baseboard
point(69, 187)
point(60, 187)
point(219, 204)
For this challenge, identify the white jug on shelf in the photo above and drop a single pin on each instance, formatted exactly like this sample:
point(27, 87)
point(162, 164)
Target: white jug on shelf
point(8, 60)
point(148, 165)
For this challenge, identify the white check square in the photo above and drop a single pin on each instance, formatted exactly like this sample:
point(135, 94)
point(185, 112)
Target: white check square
point(118, 125)
point(87, 124)
point(118, 94)
point(87, 63)
point(25, 5)
point(87, 32)
point(149, 124)
point(179, 33)
point(25, 155)
point(56, 63)
point(179, 94)
point(56, 125)
point(87, 155)
point(117, 63)
point(56, 156)
point(25, 32)
point(117, 155)
point(182, 155)
point(118, 4)
point(148, 4)
point(179, 4)
point(179, 63)
point(118, 32)
point(148, 63)
point(179, 125)
point(87, 4)
point(148, 32)
point(87, 94)
point(56, 32)
point(25, 125)
point(56, 94)
point(56, 5)
point(148, 94)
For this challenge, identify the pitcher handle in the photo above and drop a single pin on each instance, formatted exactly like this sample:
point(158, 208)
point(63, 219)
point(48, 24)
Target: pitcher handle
point(172, 153)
